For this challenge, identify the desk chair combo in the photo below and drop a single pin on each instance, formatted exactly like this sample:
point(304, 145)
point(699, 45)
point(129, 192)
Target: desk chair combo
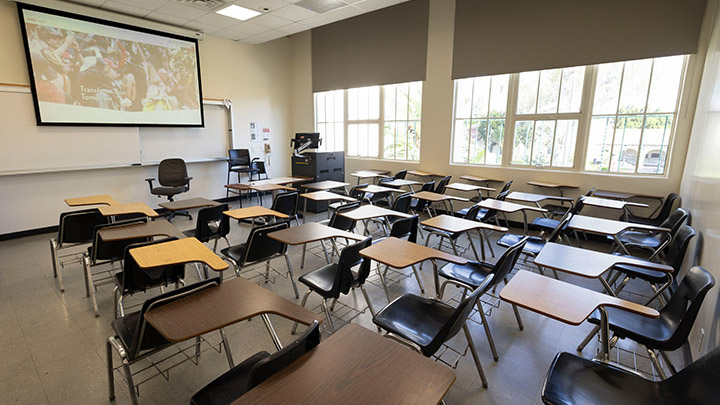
point(173, 178)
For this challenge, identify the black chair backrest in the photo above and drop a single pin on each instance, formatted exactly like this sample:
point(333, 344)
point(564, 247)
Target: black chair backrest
point(277, 361)
point(684, 305)
point(400, 175)
point(667, 206)
point(349, 258)
point(507, 261)
point(472, 212)
point(675, 220)
point(338, 221)
point(405, 227)
point(506, 187)
point(356, 193)
point(429, 186)
point(578, 206)
point(102, 250)
point(258, 167)
point(146, 336)
point(136, 278)
point(590, 192)
point(675, 252)
point(560, 228)
point(79, 226)
point(172, 173)
point(698, 382)
point(422, 204)
point(402, 203)
point(239, 157)
point(212, 223)
point(286, 203)
point(260, 246)
point(440, 189)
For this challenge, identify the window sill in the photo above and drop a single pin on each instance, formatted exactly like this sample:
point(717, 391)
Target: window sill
point(564, 171)
point(375, 159)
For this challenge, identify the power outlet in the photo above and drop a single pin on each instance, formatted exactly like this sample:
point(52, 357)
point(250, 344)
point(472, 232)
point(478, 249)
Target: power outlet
point(701, 339)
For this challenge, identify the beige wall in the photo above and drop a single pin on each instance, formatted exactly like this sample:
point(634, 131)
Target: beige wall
point(437, 122)
point(255, 78)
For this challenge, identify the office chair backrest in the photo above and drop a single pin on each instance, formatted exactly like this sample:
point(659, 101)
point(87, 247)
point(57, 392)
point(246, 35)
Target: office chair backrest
point(79, 226)
point(265, 368)
point(405, 227)
point(675, 220)
point(338, 221)
point(286, 203)
point(136, 278)
point(212, 223)
point(507, 261)
point(400, 175)
point(356, 193)
point(440, 189)
point(260, 246)
point(147, 337)
point(684, 305)
point(239, 157)
point(675, 252)
point(172, 173)
point(113, 250)
point(402, 203)
point(349, 258)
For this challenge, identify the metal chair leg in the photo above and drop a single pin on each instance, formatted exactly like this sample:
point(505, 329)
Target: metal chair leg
point(487, 331)
point(130, 383)
point(517, 316)
point(665, 357)
point(382, 281)
point(588, 338)
point(228, 352)
point(111, 380)
point(267, 271)
point(302, 261)
point(475, 355)
point(419, 280)
point(302, 304)
point(369, 304)
point(327, 314)
point(88, 274)
point(656, 362)
point(291, 275)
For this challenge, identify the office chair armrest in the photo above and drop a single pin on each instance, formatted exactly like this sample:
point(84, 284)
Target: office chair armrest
point(150, 182)
point(187, 180)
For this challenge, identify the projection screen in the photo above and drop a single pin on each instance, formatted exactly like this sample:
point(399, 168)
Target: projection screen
point(86, 71)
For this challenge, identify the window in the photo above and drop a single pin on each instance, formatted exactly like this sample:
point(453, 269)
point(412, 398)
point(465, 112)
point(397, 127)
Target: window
point(623, 113)
point(362, 112)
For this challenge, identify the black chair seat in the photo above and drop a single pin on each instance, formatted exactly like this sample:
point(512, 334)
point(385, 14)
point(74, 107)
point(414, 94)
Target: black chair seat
point(163, 190)
point(651, 276)
point(653, 332)
point(415, 318)
point(556, 209)
point(652, 240)
point(575, 380)
point(533, 246)
point(463, 212)
point(321, 280)
point(126, 327)
point(229, 386)
point(473, 273)
point(545, 224)
point(642, 220)
point(236, 252)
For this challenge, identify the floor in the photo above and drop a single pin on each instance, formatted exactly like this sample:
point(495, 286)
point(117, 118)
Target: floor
point(52, 347)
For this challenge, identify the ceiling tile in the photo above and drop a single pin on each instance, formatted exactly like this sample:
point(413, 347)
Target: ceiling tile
point(248, 29)
point(95, 3)
point(372, 5)
point(125, 9)
point(146, 4)
point(219, 21)
point(293, 28)
point(272, 34)
point(166, 18)
point(230, 34)
point(260, 4)
point(179, 10)
point(293, 13)
point(332, 16)
point(253, 40)
point(269, 21)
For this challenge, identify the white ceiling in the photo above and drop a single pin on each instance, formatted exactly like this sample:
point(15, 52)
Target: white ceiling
point(283, 18)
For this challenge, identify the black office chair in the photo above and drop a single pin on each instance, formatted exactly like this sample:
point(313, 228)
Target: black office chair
point(425, 324)
point(135, 339)
point(664, 213)
point(173, 179)
point(475, 273)
point(670, 331)
point(260, 247)
point(211, 225)
point(133, 278)
point(400, 175)
point(75, 228)
point(655, 242)
point(575, 380)
point(338, 278)
point(287, 203)
point(254, 370)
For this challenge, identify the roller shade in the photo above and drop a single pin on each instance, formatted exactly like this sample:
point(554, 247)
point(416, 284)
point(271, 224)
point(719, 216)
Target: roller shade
point(509, 36)
point(382, 47)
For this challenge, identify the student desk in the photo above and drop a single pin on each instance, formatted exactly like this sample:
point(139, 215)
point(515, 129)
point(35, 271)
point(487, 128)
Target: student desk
point(558, 187)
point(356, 366)
point(435, 197)
point(399, 254)
point(366, 212)
point(612, 204)
point(536, 198)
point(217, 307)
point(102, 199)
point(566, 302)
point(451, 224)
point(470, 188)
point(478, 179)
point(259, 186)
point(188, 204)
point(372, 188)
point(326, 185)
point(253, 212)
point(188, 250)
point(322, 195)
point(609, 227)
point(420, 173)
point(369, 174)
point(160, 227)
point(131, 208)
point(616, 195)
point(402, 183)
point(312, 232)
point(508, 207)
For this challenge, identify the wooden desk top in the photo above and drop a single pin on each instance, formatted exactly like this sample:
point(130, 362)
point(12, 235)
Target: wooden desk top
point(479, 179)
point(563, 301)
point(290, 179)
point(259, 187)
point(188, 204)
point(612, 204)
point(253, 212)
point(505, 206)
point(549, 185)
point(402, 183)
point(421, 173)
point(356, 366)
point(160, 227)
point(467, 187)
point(622, 196)
point(435, 197)
point(534, 198)
point(311, 232)
point(102, 199)
point(372, 188)
point(219, 306)
point(326, 196)
point(275, 180)
point(325, 185)
point(449, 223)
point(188, 250)
point(607, 226)
point(588, 263)
point(364, 174)
point(399, 253)
point(131, 208)
point(372, 211)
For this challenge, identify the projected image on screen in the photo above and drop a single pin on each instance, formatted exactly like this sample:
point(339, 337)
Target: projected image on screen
point(92, 73)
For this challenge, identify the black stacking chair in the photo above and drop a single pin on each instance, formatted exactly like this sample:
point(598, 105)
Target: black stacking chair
point(133, 278)
point(338, 278)
point(452, 237)
point(440, 188)
point(287, 203)
point(401, 229)
point(254, 370)
point(549, 224)
point(475, 273)
point(355, 192)
point(483, 211)
point(381, 199)
point(336, 221)
point(135, 339)
point(173, 178)
point(664, 213)
point(575, 380)
point(418, 206)
point(212, 225)
point(257, 167)
point(400, 175)
point(670, 331)
point(102, 255)
point(239, 162)
point(425, 324)
point(654, 241)
point(401, 204)
point(260, 247)
point(75, 228)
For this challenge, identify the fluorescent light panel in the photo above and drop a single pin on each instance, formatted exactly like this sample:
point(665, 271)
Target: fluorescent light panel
point(239, 13)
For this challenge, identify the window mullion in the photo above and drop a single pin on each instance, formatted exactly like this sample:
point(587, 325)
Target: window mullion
point(510, 117)
point(617, 113)
point(582, 140)
point(644, 121)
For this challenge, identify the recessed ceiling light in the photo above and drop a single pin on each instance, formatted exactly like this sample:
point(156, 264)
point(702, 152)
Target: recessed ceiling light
point(237, 12)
